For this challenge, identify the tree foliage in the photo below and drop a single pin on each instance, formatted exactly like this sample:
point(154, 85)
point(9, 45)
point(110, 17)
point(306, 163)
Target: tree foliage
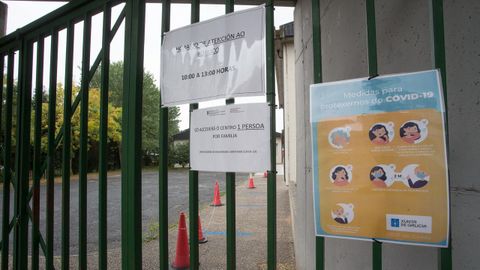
point(181, 154)
point(150, 120)
point(150, 110)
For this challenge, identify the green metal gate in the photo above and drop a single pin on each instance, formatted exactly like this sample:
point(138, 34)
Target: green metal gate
point(23, 173)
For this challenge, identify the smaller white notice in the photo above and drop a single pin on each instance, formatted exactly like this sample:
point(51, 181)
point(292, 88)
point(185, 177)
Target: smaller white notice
point(231, 138)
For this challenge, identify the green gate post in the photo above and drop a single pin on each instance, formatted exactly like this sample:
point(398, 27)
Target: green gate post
point(132, 135)
point(193, 175)
point(230, 191)
point(7, 153)
point(371, 39)
point(163, 160)
point(231, 231)
point(103, 144)
point(2, 60)
point(445, 254)
point(66, 153)
point(20, 255)
point(52, 94)
point(372, 72)
point(272, 174)
point(317, 78)
point(82, 183)
point(37, 154)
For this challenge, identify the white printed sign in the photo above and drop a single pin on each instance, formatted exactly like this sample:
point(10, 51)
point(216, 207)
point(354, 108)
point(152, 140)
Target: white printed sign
point(219, 58)
point(231, 138)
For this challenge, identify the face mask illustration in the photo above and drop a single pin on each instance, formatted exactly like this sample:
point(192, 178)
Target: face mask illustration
point(339, 137)
point(382, 175)
point(414, 176)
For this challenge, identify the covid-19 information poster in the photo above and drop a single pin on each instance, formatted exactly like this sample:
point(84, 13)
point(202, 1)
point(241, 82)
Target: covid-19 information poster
point(379, 159)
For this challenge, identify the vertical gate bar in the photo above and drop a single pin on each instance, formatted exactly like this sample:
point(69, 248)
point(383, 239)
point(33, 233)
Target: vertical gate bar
point(132, 135)
point(16, 132)
point(2, 59)
point(83, 168)
point(193, 217)
point(371, 38)
point(445, 254)
point(317, 44)
point(22, 174)
point(37, 154)
point(439, 43)
point(102, 172)
point(2, 146)
point(231, 231)
point(230, 190)
point(272, 174)
point(67, 141)
point(373, 71)
point(52, 94)
point(317, 78)
point(163, 162)
point(2, 73)
point(7, 153)
point(2, 62)
point(193, 175)
point(377, 255)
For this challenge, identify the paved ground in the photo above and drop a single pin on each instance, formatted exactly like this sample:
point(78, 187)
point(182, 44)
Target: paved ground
point(251, 210)
point(251, 234)
point(177, 199)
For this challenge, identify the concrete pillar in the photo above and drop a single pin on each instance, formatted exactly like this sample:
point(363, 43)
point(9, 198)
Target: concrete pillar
point(404, 45)
point(3, 19)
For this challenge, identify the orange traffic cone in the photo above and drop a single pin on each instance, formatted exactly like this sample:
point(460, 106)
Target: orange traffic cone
point(201, 239)
point(216, 196)
point(250, 183)
point(182, 255)
point(265, 174)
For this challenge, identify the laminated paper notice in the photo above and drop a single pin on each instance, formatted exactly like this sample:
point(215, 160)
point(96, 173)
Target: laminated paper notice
point(231, 138)
point(379, 155)
point(218, 58)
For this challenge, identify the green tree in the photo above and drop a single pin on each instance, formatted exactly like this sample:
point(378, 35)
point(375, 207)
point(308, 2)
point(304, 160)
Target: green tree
point(182, 154)
point(114, 127)
point(114, 118)
point(151, 104)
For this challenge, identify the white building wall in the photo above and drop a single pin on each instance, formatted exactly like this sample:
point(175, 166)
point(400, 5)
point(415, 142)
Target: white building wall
point(278, 150)
point(289, 105)
point(404, 41)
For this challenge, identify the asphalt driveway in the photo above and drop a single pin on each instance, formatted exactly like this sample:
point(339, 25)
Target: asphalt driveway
point(177, 201)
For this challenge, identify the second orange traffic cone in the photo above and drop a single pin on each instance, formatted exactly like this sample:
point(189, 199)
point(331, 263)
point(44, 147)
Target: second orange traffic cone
point(182, 255)
point(201, 238)
point(251, 184)
point(216, 196)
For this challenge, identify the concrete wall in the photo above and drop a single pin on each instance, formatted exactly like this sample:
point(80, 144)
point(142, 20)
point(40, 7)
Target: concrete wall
point(289, 105)
point(404, 44)
point(278, 150)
